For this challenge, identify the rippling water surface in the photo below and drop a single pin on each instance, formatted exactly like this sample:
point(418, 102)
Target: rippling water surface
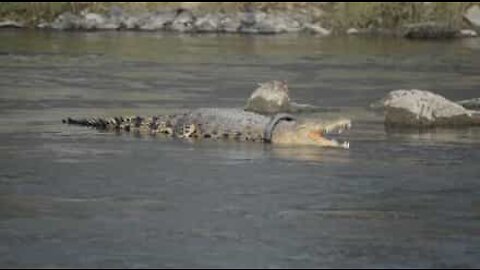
point(75, 197)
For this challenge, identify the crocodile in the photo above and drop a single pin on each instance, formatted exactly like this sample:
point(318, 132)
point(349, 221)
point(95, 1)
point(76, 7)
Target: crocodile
point(229, 123)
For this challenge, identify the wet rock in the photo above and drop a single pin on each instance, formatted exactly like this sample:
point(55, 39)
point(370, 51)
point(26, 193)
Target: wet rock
point(472, 15)
point(429, 30)
point(10, 24)
point(418, 108)
point(473, 104)
point(183, 22)
point(468, 33)
point(316, 29)
point(269, 97)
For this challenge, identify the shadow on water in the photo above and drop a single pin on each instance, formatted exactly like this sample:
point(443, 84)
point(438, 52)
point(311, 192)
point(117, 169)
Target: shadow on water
point(75, 197)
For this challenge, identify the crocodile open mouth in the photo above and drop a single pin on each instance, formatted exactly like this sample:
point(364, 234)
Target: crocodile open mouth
point(332, 135)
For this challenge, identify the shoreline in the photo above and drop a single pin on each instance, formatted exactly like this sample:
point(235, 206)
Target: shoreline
point(319, 19)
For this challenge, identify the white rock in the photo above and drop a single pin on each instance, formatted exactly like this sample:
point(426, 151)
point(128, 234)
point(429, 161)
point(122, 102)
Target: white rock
point(316, 29)
point(10, 23)
point(352, 31)
point(468, 33)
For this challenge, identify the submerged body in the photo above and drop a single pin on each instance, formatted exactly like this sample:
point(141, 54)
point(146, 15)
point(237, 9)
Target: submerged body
point(235, 124)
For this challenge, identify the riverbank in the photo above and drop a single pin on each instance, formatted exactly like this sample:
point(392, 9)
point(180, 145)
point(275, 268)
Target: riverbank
point(411, 20)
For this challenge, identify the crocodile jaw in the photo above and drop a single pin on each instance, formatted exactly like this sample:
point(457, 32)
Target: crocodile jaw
point(313, 133)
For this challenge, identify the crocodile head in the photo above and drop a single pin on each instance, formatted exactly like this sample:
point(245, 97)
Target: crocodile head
point(324, 133)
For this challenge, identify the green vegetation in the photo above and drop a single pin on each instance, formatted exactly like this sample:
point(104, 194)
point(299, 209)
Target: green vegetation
point(392, 14)
point(336, 15)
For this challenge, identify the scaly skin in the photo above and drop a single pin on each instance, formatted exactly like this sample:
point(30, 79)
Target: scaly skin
point(235, 124)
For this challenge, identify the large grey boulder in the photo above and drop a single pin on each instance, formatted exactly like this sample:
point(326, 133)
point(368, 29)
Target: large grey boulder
point(472, 15)
point(418, 108)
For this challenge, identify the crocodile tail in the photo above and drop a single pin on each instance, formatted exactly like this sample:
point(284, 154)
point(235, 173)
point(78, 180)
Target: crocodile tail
point(115, 123)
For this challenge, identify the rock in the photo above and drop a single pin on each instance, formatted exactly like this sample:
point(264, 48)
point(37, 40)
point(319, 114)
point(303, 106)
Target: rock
point(43, 25)
point(263, 23)
point(429, 30)
point(156, 21)
point(352, 31)
point(130, 22)
point(209, 23)
point(472, 104)
point(316, 29)
point(270, 97)
point(468, 33)
point(229, 23)
point(11, 24)
point(418, 108)
point(183, 22)
point(93, 21)
point(472, 15)
point(66, 21)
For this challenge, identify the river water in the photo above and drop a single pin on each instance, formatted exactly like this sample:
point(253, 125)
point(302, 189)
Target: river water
point(75, 197)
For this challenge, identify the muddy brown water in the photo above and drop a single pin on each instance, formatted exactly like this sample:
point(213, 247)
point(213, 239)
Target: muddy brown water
point(75, 197)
